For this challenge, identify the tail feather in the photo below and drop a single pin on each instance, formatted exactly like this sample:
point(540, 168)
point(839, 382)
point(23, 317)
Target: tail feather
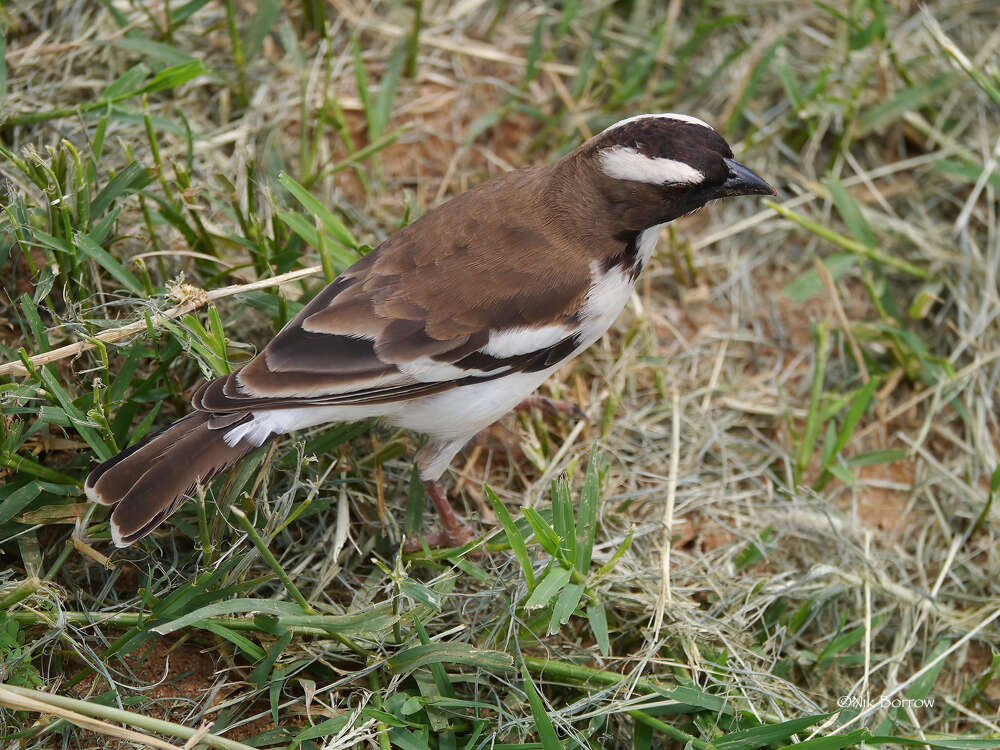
point(114, 483)
point(148, 481)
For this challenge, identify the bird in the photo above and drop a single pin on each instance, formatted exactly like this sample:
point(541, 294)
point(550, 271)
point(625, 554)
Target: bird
point(449, 323)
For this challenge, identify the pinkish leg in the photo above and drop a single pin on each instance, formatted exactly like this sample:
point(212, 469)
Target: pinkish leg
point(454, 531)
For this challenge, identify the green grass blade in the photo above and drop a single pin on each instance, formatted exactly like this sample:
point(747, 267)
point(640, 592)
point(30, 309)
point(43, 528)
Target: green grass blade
point(992, 88)
point(921, 687)
point(586, 526)
point(534, 51)
point(406, 740)
point(843, 642)
point(17, 499)
point(565, 605)
point(756, 77)
point(301, 226)
point(598, 620)
point(420, 593)
point(127, 84)
point(859, 404)
point(833, 742)
point(80, 422)
point(514, 537)
point(370, 621)
point(562, 516)
point(158, 52)
point(544, 534)
point(228, 607)
point(810, 432)
point(333, 226)
point(909, 98)
point(755, 551)
point(175, 75)
point(244, 644)
point(132, 177)
point(102, 257)
point(543, 724)
point(586, 66)
point(453, 653)
point(871, 458)
point(809, 285)
point(984, 513)
point(850, 212)
point(416, 500)
point(3, 68)
point(25, 465)
point(768, 734)
point(361, 80)
point(622, 548)
point(323, 729)
point(942, 743)
point(260, 26)
point(847, 243)
point(548, 587)
point(441, 680)
point(30, 311)
point(386, 94)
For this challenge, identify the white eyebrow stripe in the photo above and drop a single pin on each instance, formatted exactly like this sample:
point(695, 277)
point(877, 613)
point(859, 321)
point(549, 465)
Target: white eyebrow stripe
point(624, 163)
point(667, 115)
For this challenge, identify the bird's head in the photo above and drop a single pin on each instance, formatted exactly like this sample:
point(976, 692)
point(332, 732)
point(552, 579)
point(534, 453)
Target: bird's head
point(654, 168)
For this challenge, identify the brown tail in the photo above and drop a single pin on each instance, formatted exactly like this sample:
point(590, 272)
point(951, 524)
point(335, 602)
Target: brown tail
point(151, 479)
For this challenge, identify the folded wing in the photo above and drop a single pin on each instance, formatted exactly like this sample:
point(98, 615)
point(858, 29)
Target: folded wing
point(404, 322)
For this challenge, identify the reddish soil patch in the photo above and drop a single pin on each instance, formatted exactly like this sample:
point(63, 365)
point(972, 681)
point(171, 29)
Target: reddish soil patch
point(884, 508)
point(180, 672)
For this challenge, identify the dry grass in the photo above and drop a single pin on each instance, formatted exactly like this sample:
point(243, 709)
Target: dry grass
point(788, 587)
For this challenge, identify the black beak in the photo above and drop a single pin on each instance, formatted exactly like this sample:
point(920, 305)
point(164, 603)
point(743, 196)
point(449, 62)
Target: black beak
point(742, 181)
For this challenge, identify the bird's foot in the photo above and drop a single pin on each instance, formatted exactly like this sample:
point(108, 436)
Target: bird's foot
point(443, 539)
point(454, 531)
point(553, 406)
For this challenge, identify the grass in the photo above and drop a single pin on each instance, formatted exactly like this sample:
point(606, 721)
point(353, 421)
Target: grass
point(779, 526)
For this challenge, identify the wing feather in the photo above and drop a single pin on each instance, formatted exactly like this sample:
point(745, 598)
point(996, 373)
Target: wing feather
point(416, 315)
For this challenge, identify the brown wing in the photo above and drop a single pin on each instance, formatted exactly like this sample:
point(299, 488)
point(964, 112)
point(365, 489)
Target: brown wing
point(413, 316)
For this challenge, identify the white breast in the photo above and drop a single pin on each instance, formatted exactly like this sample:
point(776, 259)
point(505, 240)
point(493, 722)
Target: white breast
point(610, 290)
point(646, 244)
point(608, 294)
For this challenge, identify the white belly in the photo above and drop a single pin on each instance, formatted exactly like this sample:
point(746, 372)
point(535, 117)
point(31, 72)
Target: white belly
point(456, 414)
point(460, 413)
